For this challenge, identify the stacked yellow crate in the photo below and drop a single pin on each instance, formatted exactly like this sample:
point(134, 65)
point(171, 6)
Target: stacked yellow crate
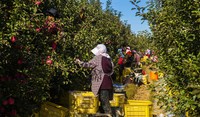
point(126, 71)
point(138, 108)
point(49, 109)
point(83, 102)
point(118, 100)
point(117, 104)
point(143, 59)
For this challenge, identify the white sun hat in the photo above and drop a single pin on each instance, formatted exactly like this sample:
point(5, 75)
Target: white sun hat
point(99, 49)
point(95, 51)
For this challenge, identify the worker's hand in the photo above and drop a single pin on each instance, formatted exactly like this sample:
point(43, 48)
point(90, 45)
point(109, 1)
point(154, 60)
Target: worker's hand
point(77, 61)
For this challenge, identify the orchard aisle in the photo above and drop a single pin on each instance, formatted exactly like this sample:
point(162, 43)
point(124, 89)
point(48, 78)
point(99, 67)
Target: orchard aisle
point(144, 93)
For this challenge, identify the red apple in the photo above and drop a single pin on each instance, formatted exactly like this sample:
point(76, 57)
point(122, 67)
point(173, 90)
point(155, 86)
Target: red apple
point(19, 62)
point(53, 25)
point(13, 39)
point(38, 29)
point(143, 72)
point(48, 57)
point(49, 61)
point(38, 2)
point(54, 45)
point(11, 101)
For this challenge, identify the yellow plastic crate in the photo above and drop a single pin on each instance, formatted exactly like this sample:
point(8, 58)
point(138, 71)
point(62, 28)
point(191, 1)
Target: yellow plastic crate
point(118, 100)
point(49, 109)
point(144, 59)
point(126, 71)
point(138, 108)
point(83, 102)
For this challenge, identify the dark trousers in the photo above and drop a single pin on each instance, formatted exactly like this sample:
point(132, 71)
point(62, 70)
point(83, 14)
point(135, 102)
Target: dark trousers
point(121, 68)
point(104, 97)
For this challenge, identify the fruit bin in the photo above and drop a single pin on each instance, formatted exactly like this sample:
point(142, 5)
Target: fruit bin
point(83, 102)
point(138, 108)
point(118, 100)
point(126, 71)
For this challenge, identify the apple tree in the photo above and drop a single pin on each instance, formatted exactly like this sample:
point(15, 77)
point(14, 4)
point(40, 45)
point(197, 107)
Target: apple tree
point(39, 40)
point(175, 30)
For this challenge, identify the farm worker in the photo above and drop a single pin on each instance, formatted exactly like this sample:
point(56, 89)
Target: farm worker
point(154, 57)
point(136, 59)
point(102, 69)
point(148, 53)
point(128, 49)
point(120, 63)
point(128, 58)
point(120, 52)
